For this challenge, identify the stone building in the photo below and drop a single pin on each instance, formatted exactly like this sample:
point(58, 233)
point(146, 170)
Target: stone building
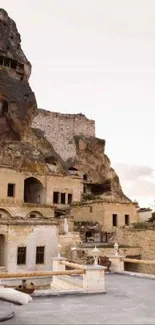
point(102, 205)
point(52, 167)
point(145, 214)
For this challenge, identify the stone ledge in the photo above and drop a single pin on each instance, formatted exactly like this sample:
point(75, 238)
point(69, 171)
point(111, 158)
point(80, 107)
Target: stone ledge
point(136, 274)
point(55, 292)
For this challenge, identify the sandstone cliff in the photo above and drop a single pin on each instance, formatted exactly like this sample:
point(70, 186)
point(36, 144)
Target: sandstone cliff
point(45, 142)
point(20, 146)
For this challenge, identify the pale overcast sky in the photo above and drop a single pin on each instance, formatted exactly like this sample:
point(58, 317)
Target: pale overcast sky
point(97, 57)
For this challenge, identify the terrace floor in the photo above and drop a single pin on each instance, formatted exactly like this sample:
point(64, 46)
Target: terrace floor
point(129, 300)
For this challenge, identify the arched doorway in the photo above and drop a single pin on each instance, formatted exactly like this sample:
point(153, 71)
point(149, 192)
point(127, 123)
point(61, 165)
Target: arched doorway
point(2, 250)
point(34, 191)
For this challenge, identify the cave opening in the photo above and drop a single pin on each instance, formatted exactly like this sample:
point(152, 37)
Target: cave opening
point(3, 107)
point(99, 189)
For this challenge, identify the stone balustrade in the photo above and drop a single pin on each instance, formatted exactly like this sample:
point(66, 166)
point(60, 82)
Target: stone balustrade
point(92, 277)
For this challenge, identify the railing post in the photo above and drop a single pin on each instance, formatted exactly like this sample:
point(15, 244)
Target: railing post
point(94, 278)
point(57, 266)
point(117, 263)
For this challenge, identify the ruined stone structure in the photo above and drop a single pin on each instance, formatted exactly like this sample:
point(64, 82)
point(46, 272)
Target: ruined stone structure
point(51, 167)
point(73, 138)
point(61, 128)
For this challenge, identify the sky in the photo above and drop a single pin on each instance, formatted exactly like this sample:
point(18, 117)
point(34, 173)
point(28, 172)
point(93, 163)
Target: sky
point(97, 57)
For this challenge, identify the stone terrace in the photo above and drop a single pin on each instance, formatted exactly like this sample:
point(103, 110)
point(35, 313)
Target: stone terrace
point(129, 300)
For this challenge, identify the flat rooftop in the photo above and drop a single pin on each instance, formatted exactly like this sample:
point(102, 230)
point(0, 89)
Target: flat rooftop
point(129, 300)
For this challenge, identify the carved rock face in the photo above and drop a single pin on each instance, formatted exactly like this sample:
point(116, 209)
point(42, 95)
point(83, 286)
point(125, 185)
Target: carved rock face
point(17, 101)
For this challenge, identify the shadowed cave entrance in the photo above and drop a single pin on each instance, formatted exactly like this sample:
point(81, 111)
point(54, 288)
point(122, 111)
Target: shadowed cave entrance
point(34, 191)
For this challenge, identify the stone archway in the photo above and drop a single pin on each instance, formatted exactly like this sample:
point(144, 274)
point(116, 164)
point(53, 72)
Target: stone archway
point(5, 214)
point(35, 215)
point(34, 191)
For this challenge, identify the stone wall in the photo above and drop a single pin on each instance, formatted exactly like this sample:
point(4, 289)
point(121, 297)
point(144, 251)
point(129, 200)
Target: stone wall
point(102, 212)
point(61, 128)
point(145, 215)
point(50, 183)
point(145, 239)
point(29, 236)
point(107, 251)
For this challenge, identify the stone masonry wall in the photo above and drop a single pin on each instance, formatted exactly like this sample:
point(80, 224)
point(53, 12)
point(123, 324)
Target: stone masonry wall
point(102, 212)
point(145, 239)
point(30, 236)
point(61, 128)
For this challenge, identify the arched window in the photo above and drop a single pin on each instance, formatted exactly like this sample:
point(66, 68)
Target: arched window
point(51, 160)
point(33, 191)
point(4, 214)
point(35, 215)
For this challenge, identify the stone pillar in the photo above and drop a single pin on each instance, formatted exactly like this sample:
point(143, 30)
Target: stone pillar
point(117, 264)
point(59, 198)
point(57, 266)
point(65, 226)
point(66, 198)
point(94, 278)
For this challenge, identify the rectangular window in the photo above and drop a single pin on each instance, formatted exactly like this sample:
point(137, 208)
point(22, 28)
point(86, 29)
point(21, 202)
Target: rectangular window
point(63, 196)
point(40, 250)
point(11, 190)
point(114, 220)
point(55, 197)
point(70, 197)
point(21, 255)
point(127, 219)
point(91, 209)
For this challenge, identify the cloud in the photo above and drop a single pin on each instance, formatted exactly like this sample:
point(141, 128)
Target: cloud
point(133, 172)
point(138, 182)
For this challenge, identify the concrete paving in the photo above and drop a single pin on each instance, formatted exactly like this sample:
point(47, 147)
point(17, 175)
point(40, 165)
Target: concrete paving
point(129, 300)
point(6, 311)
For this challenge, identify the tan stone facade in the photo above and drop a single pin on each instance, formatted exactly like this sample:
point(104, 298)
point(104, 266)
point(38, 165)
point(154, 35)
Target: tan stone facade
point(48, 185)
point(103, 212)
point(19, 243)
point(29, 221)
point(27, 211)
point(49, 164)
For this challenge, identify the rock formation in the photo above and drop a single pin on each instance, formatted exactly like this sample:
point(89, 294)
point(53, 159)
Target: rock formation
point(72, 149)
point(95, 167)
point(73, 138)
point(17, 101)
point(20, 146)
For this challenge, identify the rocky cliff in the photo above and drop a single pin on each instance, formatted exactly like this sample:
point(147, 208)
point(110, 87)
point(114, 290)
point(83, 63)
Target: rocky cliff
point(73, 138)
point(20, 146)
point(40, 141)
point(17, 101)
